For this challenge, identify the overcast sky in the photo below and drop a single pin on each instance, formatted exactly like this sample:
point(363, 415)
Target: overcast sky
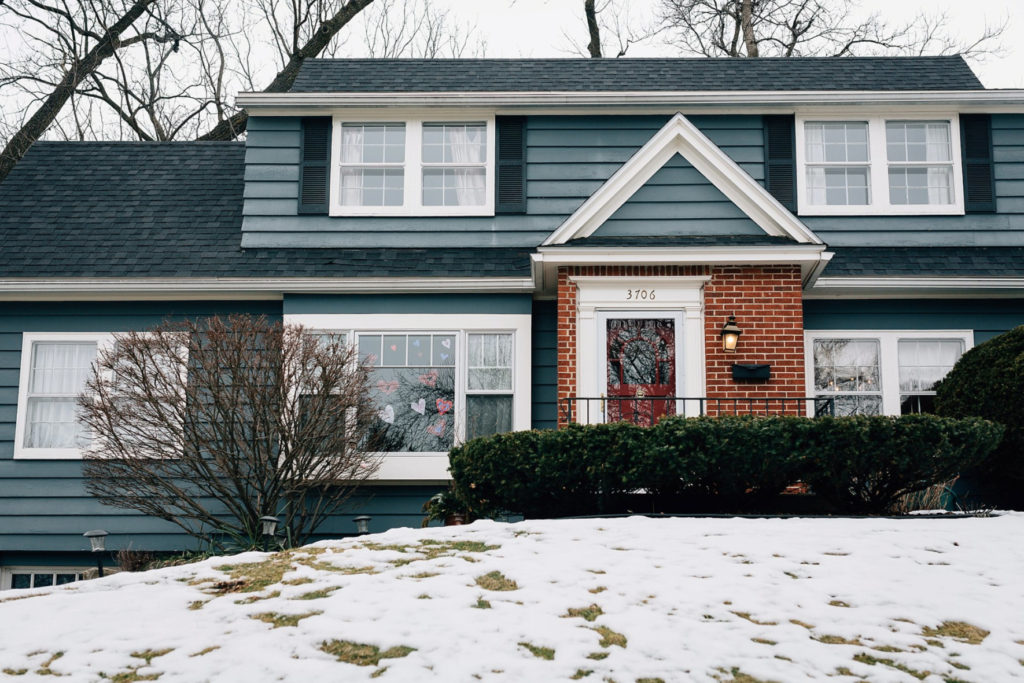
point(534, 28)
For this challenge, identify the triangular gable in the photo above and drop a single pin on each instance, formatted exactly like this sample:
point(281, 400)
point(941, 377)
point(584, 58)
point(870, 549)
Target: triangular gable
point(679, 136)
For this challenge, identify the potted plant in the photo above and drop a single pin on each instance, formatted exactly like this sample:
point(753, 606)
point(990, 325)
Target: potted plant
point(446, 508)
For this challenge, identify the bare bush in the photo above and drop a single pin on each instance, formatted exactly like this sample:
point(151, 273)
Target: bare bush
point(214, 423)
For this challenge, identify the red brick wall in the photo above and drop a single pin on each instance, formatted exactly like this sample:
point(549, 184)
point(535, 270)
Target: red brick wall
point(766, 301)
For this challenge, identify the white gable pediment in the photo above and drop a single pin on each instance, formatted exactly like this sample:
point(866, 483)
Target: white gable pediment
point(679, 136)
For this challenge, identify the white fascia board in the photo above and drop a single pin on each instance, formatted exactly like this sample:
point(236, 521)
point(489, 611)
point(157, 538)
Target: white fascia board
point(915, 287)
point(679, 136)
point(248, 288)
point(1013, 100)
point(738, 255)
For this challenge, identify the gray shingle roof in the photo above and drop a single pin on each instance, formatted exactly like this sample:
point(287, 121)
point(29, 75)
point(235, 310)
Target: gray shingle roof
point(123, 209)
point(926, 262)
point(726, 74)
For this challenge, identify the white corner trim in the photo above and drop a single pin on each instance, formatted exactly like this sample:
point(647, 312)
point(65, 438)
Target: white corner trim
point(679, 136)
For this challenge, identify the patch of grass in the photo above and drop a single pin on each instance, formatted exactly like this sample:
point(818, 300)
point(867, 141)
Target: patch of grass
point(888, 648)
point(15, 672)
point(843, 671)
point(424, 575)
point(423, 596)
point(302, 580)
point(482, 604)
point(597, 571)
point(609, 637)
point(740, 677)
point(764, 641)
point(581, 673)
point(133, 675)
point(791, 575)
point(865, 658)
point(496, 581)
point(538, 651)
point(338, 569)
point(44, 668)
point(590, 612)
point(650, 680)
point(379, 672)
point(253, 577)
point(205, 651)
point(598, 589)
point(461, 546)
point(598, 656)
point(957, 630)
point(746, 615)
point(256, 598)
point(197, 604)
point(801, 623)
point(317, 594)
point(279, 620)
point(836, 554)
point(934, 643)
point(837, 640)
point(362, 654)
point(150, 655)
point(838, 603)
point(958, 665)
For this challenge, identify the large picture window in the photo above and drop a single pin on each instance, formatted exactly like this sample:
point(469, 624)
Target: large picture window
point(875, 373)
point(876, 165)
point(413, 167)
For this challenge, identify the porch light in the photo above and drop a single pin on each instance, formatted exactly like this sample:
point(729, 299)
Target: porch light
point(269, 529)
point(98, 541)
point(362, 524)
point(730, 335)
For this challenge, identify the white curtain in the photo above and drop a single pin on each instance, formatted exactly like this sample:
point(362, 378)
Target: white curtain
point(939, 177)
point(466, 146)
point(351, 153)
point(59, 372)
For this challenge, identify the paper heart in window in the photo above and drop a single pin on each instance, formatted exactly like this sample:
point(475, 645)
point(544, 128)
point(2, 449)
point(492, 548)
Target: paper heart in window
point(446, 343)
point(387, 387)
point(419, 406)
point(444, 357)
point(443, 405)
point(437, 429)
point(387, 414)
point(429, 379)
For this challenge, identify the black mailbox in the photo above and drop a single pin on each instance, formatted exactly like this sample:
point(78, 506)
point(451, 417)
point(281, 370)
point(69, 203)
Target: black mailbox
point(759, 372)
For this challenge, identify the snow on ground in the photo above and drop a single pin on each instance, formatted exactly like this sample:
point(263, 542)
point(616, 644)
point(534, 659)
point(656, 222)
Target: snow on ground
point(620, 600)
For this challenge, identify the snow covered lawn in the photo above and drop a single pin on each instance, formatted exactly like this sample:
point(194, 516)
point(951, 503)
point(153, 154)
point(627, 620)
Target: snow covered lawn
point(622, 600)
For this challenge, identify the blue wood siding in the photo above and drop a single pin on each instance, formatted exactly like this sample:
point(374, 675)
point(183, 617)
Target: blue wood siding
point(987, 318)
point(1004, 228)
point(568, 157)
point(545, 360)
point(496, 304)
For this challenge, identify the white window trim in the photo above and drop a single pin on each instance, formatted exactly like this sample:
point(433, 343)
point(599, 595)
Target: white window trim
point(433, 465)
point(879, 169)
point(7, 573)
point(28, 339)
point(413, 165)
point(889, 360)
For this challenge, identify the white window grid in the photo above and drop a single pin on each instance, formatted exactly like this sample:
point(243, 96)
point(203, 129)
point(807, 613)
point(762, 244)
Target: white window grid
point(413, 165)
point(451, 178)
point(889, 366)
point(388, 168)
point(7, 574)
point(879, 203)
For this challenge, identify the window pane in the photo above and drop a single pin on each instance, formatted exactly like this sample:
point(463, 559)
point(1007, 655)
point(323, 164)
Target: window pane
point(444, 349)
point(488, 415)
point(53, 423)
point(454, 186)
point(846, 365)
point(373, 144)
point(372, 186)
point(369, 348)
point(419, 349)
point(918, 141)
point(836, 141)
point(838, 186)
point(923, 362)
point(416, 407)
point(858, 405)
point(40, 580)
point(66, 578)
point(490, 362)
point(61, 367)
point(921, 185)
point(21, 580)
point(917, 403)
point(454, 143)
point(394, 349)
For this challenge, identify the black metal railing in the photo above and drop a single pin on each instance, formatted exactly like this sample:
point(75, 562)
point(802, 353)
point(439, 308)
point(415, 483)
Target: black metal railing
point(647, 410)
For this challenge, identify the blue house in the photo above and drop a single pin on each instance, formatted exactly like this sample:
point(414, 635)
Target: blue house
point(565, 240)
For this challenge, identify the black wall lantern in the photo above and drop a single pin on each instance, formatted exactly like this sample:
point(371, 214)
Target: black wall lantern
point(730, 335)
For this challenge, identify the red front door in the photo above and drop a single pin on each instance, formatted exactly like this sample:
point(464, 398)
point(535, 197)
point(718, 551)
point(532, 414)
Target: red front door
point(641, 360)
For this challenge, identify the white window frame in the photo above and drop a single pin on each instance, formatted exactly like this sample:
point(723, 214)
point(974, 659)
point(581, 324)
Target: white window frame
point(413, 177)
point(28, 341)
point(7, 574)
point(878, 164)
point(433, 465)
point(889, 359)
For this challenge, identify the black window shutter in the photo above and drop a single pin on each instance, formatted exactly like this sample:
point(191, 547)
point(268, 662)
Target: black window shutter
point(780, 159)
point(510, 193)
point(979, 177)
point(314, 165)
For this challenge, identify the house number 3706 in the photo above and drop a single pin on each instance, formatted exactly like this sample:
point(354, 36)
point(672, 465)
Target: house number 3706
point(640, 295)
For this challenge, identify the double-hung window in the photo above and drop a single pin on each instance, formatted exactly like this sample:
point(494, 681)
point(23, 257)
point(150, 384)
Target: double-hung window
point(489, 384)
point(413, 167)
point(54, 370)
point(876, 165)
point(875, 373)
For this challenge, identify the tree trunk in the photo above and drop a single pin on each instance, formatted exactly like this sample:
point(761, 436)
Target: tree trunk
point(746, 20)
point(34, 128)
point(594, 46)
point(232, 127)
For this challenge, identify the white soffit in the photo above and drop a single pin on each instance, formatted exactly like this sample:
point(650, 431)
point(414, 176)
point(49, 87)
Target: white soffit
point(679, 136)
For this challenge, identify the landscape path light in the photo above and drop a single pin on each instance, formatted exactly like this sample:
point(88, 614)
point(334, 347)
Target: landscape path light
point(98, 542)
point(269, 529)
point(362, 524)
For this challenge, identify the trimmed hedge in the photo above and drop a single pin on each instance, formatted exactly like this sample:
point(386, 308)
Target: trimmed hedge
point(855, 464)
point(988, 382)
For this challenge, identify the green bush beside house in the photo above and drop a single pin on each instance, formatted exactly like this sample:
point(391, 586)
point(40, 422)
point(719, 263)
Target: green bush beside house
point(858, 465)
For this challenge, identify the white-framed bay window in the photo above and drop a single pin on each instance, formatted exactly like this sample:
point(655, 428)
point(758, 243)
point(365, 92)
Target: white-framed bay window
point(54, 369)
point(437, 381)
point(881, 372)
point(442, 166)
point(879, 165)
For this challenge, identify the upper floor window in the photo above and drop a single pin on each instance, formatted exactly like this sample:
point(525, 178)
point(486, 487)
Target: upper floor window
point(878, 166)
point(413, 167)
